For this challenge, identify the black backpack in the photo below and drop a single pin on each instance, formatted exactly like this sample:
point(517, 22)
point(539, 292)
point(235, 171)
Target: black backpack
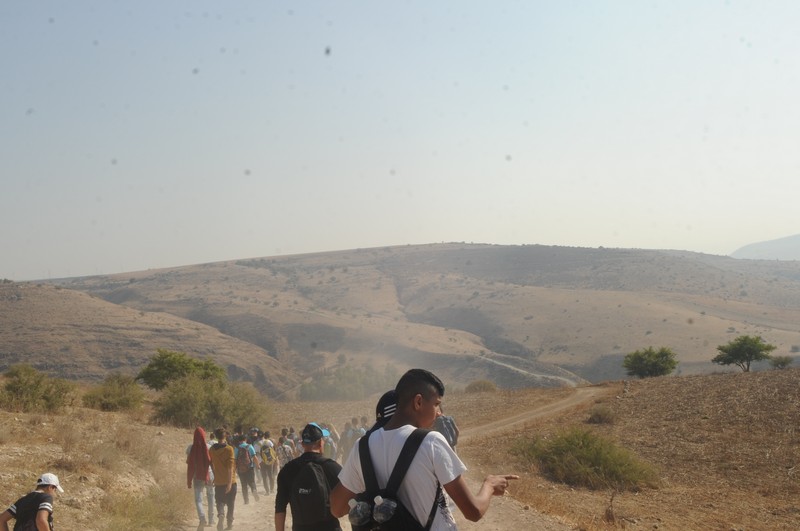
point(310, 494)
point(402, 520)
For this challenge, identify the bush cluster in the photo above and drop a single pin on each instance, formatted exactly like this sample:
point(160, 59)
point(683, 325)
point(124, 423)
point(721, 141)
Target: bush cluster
point(650, 362)
point(29, 390)
point(601, 415)
point(193, 400)
point(480, 386)
point(581, 458)
point(116, 393)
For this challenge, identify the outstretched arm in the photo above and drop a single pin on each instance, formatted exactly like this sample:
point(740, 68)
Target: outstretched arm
point(474, 506)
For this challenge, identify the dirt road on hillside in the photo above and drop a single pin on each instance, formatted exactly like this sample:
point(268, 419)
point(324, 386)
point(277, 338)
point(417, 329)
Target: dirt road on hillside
point(579, 396)
point(505, 512)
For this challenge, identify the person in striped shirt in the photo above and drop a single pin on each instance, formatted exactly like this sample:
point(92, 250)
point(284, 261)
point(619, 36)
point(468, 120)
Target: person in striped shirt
point(35, 509)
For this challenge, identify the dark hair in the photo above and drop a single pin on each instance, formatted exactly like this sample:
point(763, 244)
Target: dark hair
point(219, 433)
point(418, 382)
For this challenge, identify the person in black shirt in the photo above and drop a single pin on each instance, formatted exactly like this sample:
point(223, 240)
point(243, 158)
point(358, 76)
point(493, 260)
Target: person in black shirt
point(301, 486)
point(35, 507)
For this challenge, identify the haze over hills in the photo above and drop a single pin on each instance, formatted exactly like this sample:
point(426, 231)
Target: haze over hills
point(787, 248)
point(518, 315)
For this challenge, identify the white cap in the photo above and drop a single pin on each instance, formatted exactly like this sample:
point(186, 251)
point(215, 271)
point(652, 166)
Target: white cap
point(49, 479)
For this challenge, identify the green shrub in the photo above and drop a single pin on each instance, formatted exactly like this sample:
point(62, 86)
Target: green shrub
point(190, 400)
point(480, 386)
point(780, 362)
point(193, 400)
point(580, 458)
point(168, 366)
point(602, 415)
point(247, 407)
point(29, 390)
point(650, 362)
point(116, 393)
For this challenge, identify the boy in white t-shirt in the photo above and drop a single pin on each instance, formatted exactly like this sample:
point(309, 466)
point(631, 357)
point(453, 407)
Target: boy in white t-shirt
point(419, 395)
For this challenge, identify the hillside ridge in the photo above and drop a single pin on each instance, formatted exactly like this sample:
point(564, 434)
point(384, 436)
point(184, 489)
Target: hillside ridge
point(521, 316)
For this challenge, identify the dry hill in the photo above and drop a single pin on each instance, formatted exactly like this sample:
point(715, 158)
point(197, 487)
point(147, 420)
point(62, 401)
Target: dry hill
point(519, 315)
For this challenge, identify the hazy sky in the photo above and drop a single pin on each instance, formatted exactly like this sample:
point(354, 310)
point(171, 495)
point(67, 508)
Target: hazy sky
point(147, 134)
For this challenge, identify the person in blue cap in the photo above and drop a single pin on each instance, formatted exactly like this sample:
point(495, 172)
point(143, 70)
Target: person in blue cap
point(305, 484)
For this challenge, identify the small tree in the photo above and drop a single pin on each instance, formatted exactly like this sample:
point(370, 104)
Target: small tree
point(742, 351)
point(167, 366)
point(780, 362)
point(650, 362)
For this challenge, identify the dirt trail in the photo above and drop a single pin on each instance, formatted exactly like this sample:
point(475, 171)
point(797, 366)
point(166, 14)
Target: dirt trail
point(580, 395)
point(505, 512)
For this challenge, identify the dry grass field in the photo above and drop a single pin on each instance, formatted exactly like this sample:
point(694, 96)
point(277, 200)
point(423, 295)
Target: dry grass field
point(726, 447)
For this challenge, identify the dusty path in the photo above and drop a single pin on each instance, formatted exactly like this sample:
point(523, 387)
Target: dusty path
point(505, 512)
point(579, 396)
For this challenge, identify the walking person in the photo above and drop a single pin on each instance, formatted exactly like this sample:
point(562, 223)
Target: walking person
point(446, 425)
point(435, 464)
point(200, 477)
point(289, 441)
point(223, 463)
point(305, 484)
point(284, 451)
point(384, 409)
point(269, 463)
point(246, 465)
point(34, 511)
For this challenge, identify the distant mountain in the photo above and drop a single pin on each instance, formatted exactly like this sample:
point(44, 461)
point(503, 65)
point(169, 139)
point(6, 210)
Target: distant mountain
point(520, 316)
point(787, 248)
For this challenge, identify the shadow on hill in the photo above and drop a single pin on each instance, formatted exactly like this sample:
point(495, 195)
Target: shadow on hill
point(475, 322)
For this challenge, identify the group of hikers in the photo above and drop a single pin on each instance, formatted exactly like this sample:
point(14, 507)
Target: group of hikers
point(403, 472)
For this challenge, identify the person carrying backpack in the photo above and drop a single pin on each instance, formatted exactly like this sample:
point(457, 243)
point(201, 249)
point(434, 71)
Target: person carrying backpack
point(305, 484)
point(246, 464)
point(269, 463)
point(433, 467)
point(34, 510)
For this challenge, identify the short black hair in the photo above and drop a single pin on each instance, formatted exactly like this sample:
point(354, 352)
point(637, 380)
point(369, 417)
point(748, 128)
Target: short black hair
point(418, 381)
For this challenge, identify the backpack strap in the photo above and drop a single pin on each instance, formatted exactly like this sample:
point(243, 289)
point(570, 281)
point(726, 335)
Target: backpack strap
point(367, 470)
point(407, 454)
point(404, 461)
